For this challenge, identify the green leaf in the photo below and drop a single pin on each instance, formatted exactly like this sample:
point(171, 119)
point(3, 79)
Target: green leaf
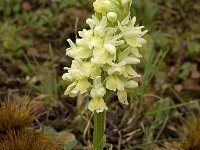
point(193, 48)
point(51, 131)
point(185, 70)
point(70, 145)
point(68, 139)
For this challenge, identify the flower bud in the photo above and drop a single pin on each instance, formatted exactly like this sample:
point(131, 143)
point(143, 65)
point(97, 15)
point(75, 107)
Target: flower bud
point(107, 5)
point(98, 6)
point(102, 7)
point(112, 17)
point(125, 2)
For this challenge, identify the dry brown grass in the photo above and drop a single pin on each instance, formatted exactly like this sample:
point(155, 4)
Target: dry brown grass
point(192, 141)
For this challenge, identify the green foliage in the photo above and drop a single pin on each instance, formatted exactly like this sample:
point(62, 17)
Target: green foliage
point(161, 113)
point(77, 3)
point(51, 131)
point(145, 10)
point(184, 71)
point(160, 39)
point(8, 7)
point(43, 20)
point(152, 65)
point(193, 48)
point(69, 145)
point(48, 85)
point(47, 77)
point(12, 43)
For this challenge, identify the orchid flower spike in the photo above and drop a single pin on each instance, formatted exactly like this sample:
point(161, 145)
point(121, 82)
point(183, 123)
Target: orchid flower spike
point(105, 54)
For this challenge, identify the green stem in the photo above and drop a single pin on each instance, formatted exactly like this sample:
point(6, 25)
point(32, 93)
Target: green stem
point(98, 135)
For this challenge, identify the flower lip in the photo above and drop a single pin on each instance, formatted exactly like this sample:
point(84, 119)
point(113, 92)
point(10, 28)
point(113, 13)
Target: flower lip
point(122, 96)
point(97, 104)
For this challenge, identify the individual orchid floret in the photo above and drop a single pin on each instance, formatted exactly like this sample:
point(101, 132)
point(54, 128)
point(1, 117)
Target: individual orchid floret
point(91, 70)
point(132, 34)
point(98, 89)
point(101, 56)
point(78, 52)
point(76, 72)
point(106, 54)
point(99, 30)
point(78, 87)
point(97, 104)
point(115, 82)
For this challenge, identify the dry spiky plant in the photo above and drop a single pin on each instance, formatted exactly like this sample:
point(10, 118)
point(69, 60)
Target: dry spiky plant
point(15, 115)
point(16, 118)
point(192, 141)
point(28, 140)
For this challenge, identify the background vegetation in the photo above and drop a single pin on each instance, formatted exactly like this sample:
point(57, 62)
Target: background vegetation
point(32, 56)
